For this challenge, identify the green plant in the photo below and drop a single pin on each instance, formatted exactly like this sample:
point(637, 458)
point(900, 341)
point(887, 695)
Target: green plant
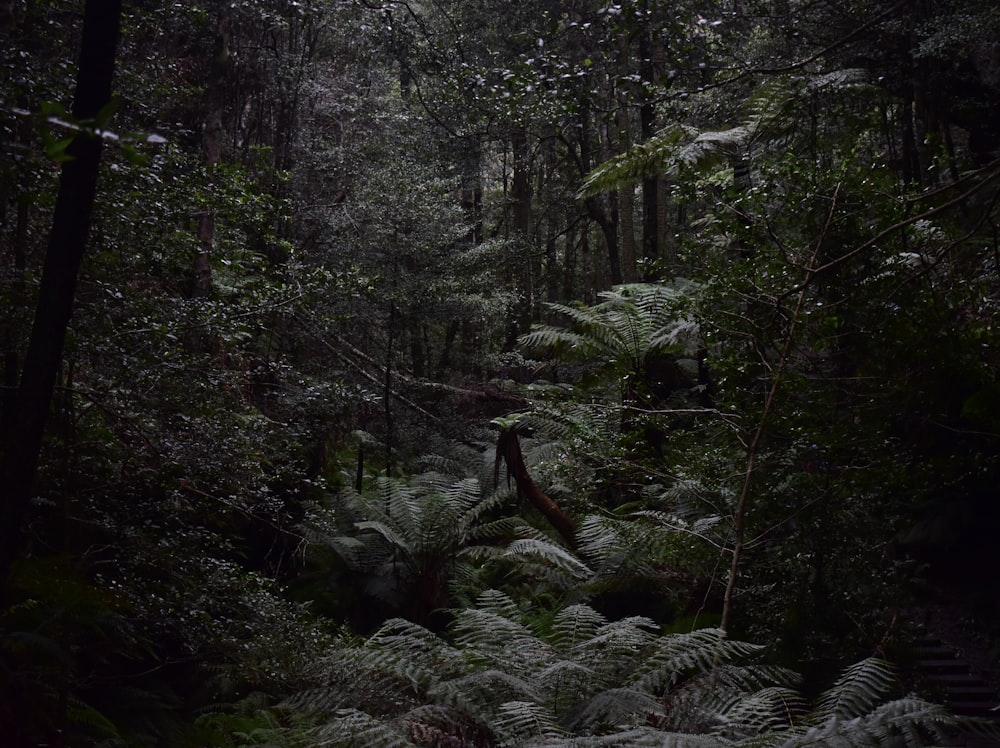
point(580, 679)
point(409, 543)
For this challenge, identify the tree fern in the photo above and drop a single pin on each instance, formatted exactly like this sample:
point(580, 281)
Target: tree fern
point(407, 539)
point(773, 113)
point(583, 680)
point(621, 335)
point(626, 320)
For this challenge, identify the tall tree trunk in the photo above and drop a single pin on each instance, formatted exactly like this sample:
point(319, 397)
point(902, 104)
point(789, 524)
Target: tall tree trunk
point(569, 264)
point(552, 218)
point(668, 253)
point(601, 209)
point(521, 207)
point(387, 393)
point(626, 213)
point(472, 189)
point(14, 320)
point(211, 148)
point(67, 241)
point(650, 185)
point(626, 204)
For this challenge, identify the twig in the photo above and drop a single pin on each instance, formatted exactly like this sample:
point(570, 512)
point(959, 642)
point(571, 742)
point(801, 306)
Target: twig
point(739, 521)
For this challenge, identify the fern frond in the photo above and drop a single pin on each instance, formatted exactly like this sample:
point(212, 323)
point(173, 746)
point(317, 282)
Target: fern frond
point(493, 639)
point(637, 737)
point(566, 679)
point(498, 529)
point(546, 336)
point(498, 603)
point(857, 690)
point(709, 145)
point(914, 720)
point(639, 161)
point(411, 653)
point(615, 706)
point(575, 624)
point(622, 547)
point(767, 710)
point(517, 722)
point(616, 649)
point(353, 728)
point(909, 722)
point(677, 655)
point(665, 153)
point(474, 692)
point(681, 336)
point(549, 560)
point(387, 532)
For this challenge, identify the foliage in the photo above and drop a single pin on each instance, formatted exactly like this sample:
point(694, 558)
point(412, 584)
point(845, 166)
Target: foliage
point(401, 193)
point(584, 680)
point(408, 545)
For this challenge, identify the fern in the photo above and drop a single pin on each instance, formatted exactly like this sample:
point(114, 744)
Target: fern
point(541, 557)
point(588, 681)
point(773, 115)
point(518, 722)
point(760, 712)
point(353, 728)
point(408, 541)
point(574, 625)
point(858, 689)
point(632, 327)
point(666, 152)
point(675, 656)
point(637, 737)
point(612, 707)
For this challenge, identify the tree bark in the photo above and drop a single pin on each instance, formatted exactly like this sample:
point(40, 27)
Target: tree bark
point(211, 147)
point(650, 185)
point(521, 206)
point(67, 241)
point(605, 217)
point(509, 450)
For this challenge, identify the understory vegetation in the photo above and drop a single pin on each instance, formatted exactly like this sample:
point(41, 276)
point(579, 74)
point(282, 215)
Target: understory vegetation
point(473, 374)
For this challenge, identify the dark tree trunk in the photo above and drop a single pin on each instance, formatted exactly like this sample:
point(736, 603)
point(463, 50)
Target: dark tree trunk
point(608, 221)
point(509, 451)
point(650, 185)
point(569, 264)
point(521, 205)
point(606, 218)
point(67, 240)
point(14, 319)
point(211, 146)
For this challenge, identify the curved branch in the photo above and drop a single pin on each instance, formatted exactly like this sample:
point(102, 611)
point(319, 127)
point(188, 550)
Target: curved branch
point(509, 451)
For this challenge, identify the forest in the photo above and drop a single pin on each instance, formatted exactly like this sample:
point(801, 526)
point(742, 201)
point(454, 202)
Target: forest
point(473, 373)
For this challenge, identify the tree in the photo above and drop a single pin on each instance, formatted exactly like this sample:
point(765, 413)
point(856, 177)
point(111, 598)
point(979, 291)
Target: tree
point(407, 544)
point(24, 432)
